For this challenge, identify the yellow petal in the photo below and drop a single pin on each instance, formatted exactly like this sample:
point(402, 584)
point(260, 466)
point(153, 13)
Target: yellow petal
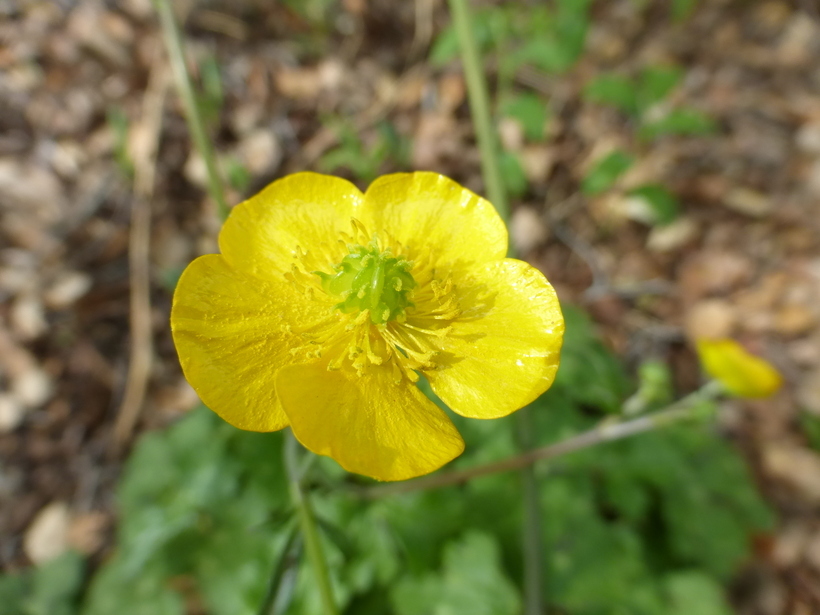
point(429, 213)
point(741, 373)
point(231, 336)
point(504, 349)
point(369, 424)
point(305, 210)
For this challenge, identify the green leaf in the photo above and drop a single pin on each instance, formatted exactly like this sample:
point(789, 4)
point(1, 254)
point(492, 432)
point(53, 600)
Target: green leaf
point(681, 9)
point(530, 111)
point(656, 83)
point(614, 90)
point(471, 583)
point(56, 586)
point(694, 592)
point(679, 122)
point(115, 590)
point(810, 425)
point(13, 591)
point(515, 180)
point(589, 375)
point(605, 172)
point(445, 47)
point(661, 205)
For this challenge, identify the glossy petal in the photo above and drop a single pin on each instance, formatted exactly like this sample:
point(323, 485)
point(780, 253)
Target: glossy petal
point(368, 424)
point(231, 334)
point(741, 373)
point(504, 349)
point(429, 213)
point(307, 210)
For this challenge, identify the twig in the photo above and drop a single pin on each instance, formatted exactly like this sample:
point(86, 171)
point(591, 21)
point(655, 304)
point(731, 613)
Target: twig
point(607, 432)
point(139, 366)
point(196, 125)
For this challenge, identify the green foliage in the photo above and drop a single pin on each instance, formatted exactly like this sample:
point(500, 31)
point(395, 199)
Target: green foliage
point(549, 38)
point(605, 172)
point(50, 589)
point(118, 122)
point(681, 9)
point(471, 582)
point(315, 11)
point(639, 98)
point(661, 206)
point(651, 525)
point(203, 502)
point(211, 95)
point(614, 90)
point(365, 161)
point(679, 122)
point(239, 178)
point(694, 592)
point(512, 173)
point(810, 425)
point(530, 111)
point(633, 96)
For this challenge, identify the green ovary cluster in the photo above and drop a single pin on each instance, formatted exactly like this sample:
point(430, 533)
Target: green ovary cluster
point(371, 279)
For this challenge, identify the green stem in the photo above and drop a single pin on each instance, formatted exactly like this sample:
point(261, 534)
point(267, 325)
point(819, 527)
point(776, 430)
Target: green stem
point(608, 431)
point(480, 107)
point(491, 170)
point(307, 522)
point(196, 125)
point(532, 541)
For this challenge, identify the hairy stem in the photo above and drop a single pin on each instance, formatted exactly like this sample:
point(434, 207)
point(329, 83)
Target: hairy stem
point(196, 125)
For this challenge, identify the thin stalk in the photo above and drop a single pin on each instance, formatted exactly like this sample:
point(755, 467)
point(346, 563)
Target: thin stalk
point(307, 522)
point(681, 410)
point(288, 559)
point(493, 183)
point(196, 125)
point(531, 538)
point(480, 107)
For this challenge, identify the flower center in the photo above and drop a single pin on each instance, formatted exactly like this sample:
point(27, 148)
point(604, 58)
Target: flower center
point(369, 278)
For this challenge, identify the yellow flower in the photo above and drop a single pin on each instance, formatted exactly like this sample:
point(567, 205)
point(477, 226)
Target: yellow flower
point(741, 373)
point(326, 304)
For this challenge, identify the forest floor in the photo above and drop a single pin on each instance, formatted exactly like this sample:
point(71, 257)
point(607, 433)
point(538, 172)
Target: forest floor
point(87, 212)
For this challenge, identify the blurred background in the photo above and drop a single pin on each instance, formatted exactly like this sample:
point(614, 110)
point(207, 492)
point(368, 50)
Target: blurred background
point(663, 158)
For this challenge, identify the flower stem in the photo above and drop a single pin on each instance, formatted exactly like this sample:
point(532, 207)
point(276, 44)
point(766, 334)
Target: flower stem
point(491, 171)
point(196, 125)
point(685, 408)
point(307, 522)
point(480, 107)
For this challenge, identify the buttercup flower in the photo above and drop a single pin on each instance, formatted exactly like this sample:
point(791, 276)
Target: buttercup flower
point(326, 304)
point(741, 373)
